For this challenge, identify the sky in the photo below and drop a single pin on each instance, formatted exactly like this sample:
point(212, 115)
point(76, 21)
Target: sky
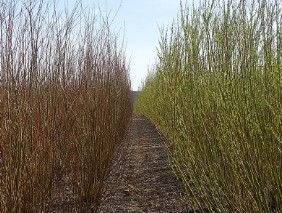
point(139, 22)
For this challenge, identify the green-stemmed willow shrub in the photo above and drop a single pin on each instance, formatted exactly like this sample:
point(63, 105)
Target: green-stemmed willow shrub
point(65, 104)
point(216, 94)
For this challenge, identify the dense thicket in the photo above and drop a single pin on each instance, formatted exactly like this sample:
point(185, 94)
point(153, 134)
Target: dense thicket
point(65, 103)
point(216, 94)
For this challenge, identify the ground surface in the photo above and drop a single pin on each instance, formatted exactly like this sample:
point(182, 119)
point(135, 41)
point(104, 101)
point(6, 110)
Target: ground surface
point(143, 181)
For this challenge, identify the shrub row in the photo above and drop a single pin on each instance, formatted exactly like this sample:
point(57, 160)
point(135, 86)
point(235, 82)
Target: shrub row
point(215, 93)
point(65, 103)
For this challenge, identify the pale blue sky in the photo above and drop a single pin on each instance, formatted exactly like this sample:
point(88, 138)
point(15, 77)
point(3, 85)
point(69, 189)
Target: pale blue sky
point(139, 21)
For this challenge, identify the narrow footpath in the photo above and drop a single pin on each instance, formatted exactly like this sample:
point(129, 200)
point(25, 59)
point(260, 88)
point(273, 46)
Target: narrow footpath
point(143, 180)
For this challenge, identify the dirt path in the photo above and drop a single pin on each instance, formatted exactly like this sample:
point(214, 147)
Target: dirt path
point(143, 182)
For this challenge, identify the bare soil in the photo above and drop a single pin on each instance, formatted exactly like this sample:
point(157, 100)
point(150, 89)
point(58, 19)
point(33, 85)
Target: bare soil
point(143, 181)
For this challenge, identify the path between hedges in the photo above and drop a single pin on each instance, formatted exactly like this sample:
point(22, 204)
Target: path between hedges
point(143, 181)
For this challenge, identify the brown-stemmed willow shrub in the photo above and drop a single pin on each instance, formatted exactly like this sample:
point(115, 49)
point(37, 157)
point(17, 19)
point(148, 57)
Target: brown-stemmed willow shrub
point(64, 103)
point(95, 141)
point(216, 95)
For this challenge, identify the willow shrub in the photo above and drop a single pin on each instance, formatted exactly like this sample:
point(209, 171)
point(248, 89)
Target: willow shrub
point(64, 103)
point(215, 93)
